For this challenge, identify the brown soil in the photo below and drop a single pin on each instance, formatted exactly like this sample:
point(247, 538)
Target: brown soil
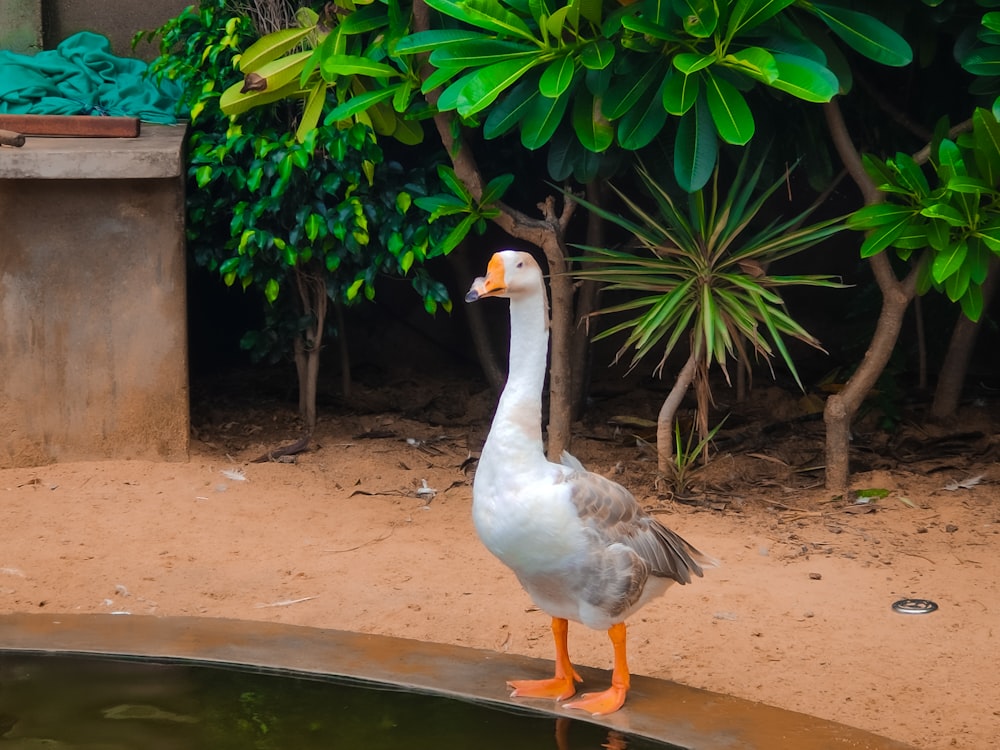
point(370, 531)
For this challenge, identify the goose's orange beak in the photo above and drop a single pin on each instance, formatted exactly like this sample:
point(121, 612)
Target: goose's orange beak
point(489, 285)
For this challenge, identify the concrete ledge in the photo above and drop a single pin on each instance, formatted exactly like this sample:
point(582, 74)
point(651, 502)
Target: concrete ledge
point(155, 154)
point(660, 710)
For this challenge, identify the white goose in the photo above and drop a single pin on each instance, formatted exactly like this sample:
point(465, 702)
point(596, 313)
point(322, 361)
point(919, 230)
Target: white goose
point(580, 544)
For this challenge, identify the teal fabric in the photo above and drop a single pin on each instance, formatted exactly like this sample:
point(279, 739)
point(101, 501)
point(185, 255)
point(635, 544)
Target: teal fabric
point(82, 77)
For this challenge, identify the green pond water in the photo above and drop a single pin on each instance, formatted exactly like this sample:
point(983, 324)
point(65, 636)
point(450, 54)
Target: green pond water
point(56, 702)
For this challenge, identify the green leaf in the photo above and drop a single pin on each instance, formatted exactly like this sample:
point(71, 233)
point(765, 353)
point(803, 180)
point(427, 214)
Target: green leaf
point(915, 236)
point(700, 17)
point(597, 55)
point(991, 21)
point(691, 62)
point(804, 79)
point(882, 237)
point(910, 175)
point(315, 224)
point(956, 285)
point(756, 62)
point(986, 137)
point(947, 262)
point(621, 97)
point(696, 147)
point(990, 235)
point(950, 161)
point(486, 84)
point(557, 77)
point(969, 185)
point(283, 71)
point(310, 66)
point(429, 41)
point(730, 113)
point(442, 205)
point(454, 183)
point(448, 100)
point(406, 260)
point(643, 121)
point(595, 132)
point(358, 103)
point(203, 175)
point(878, 170)
point(972, 302)
point(485, 14)
point(511, 109)
point(541, 120)
point(456, 235)
point(312, 110)
point(364, 19)
point(878, 214)
point(563, 20)
point(591, 10)
point(271, 47)
point(983, 61)
point(479, 53)
point(865, 35)
point(271, 290)
point(495, 189)
point(229, 265)
point(979, 260)
point(234, 102)
point(680, 92)
point(353, 289)
point(333, 66)
point(749, 13)
point(944, 212)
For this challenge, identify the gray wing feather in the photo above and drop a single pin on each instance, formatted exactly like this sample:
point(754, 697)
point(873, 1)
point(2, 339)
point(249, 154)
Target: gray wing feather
point(615, 515)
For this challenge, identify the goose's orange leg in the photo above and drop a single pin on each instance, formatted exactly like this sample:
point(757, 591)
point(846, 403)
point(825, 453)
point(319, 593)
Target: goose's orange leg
point(559, 687)
point(611, 699)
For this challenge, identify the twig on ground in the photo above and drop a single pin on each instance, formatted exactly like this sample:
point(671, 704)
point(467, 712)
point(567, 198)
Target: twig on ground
point(365, 544)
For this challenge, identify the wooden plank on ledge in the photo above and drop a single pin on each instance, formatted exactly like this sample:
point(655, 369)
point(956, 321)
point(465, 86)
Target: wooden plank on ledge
point(82, 126)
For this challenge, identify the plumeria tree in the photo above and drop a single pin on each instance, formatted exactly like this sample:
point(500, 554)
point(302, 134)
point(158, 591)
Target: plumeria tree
point(588, 83)
point(591, 84)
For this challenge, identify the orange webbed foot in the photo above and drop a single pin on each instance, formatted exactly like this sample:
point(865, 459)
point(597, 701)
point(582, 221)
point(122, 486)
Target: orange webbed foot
point(556, 688)
point(598, 704)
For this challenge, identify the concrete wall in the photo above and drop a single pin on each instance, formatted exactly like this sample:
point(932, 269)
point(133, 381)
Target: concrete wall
point(21, 25)
point(93, 332)
point(29, 25)
point(119, 20)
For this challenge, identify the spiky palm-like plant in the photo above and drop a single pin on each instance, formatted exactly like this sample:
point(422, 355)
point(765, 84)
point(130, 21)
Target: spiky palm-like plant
point(702, 274)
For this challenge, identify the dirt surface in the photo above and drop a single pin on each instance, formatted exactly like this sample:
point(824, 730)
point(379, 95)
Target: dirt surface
point(370, 530)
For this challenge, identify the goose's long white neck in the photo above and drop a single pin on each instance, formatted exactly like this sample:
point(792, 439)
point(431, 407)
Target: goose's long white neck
point(515, 437)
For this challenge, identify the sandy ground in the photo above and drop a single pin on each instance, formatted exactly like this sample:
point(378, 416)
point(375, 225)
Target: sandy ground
point(370, 531)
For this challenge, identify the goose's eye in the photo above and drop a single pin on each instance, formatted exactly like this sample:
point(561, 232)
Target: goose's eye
point(520, 264)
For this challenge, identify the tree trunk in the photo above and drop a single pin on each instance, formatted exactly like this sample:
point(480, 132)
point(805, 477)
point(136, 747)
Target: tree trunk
point(586, 303)
point(346, 381)
point(313, 297)
point(956, 360)
point(841, 407)
point(548, 234)
point(485, 352)
point(668, 412)
point(918, 314)
point(896, 296)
